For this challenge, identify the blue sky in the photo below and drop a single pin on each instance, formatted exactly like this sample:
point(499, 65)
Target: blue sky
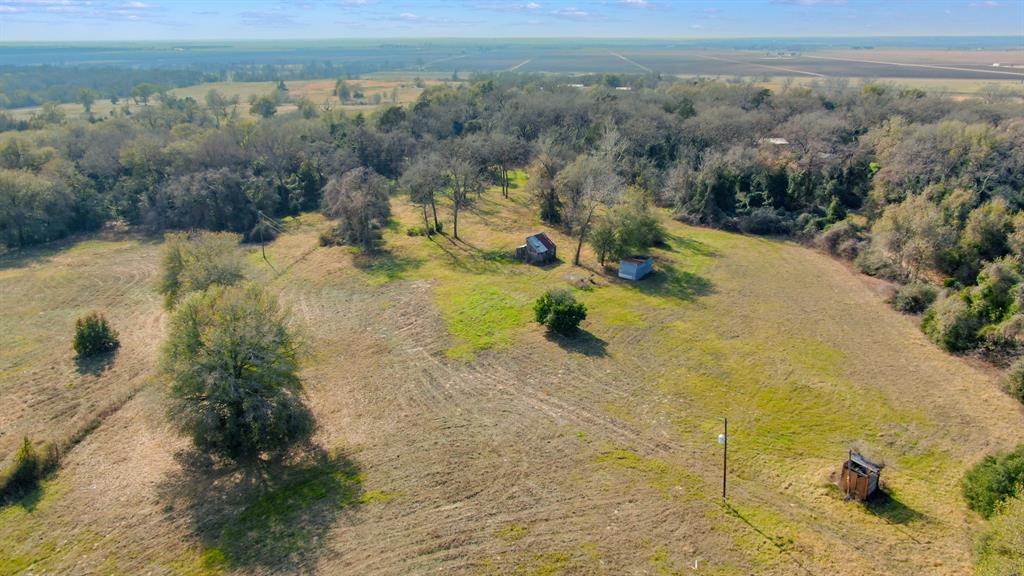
point(104, 20)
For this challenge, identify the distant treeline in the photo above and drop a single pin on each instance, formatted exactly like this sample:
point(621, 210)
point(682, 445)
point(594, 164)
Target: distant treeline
point(22, 86)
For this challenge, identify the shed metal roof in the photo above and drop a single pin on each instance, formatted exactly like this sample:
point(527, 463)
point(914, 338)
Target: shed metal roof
point(858, 459)
point(540, 242)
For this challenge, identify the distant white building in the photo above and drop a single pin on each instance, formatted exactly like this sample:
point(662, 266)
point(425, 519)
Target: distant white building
point(776, 141)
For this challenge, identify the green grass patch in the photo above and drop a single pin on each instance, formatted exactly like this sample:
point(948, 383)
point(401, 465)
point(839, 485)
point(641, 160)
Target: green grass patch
point(513, 532)
point(546, 564)
point(670, 480)
point(480, 317)
point(378, 497)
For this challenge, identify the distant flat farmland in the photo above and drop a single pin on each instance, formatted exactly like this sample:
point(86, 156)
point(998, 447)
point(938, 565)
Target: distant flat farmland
point(909, 63)
point(688, 60)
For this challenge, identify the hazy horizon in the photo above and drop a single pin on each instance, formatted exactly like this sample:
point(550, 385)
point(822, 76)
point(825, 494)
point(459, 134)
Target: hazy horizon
point(165, 20)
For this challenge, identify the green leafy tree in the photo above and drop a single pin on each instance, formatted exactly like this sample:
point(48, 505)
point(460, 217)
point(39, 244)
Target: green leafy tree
point(33, 208)
point(194, 262)
point(560, 312)
point(264, 105)
point(986, 232)
point(342, 91)
point(604, 239)
point(912, 234)
point(93, 336)
point(232, 361)
point(87, 98)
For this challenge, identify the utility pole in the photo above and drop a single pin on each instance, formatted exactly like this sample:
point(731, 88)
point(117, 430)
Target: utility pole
point(723, 439)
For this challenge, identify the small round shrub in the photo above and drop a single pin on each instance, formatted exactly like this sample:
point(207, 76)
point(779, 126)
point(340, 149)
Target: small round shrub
point(841, 239)
point(764, 221)
point(914, 298)
point(872, 262)
point(560, 312)
point(1015, 380)
point(993, 480)
point(951, 323)
point(93, 335)
point(329, 238)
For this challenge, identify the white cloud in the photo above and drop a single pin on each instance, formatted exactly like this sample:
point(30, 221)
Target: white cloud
point(573, 14)
point(408, 17)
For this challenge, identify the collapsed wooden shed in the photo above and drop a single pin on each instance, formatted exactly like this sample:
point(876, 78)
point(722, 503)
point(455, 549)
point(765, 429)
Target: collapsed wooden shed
point(860, 477)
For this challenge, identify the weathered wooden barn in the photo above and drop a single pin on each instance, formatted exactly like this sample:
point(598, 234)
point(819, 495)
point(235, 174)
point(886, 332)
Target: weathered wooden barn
point(859, 477)
point(539, 249)
point(635, 267)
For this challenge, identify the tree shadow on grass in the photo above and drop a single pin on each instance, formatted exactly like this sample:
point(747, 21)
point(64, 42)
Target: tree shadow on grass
point(892, 510)
point(25, 498)
point(583, 342)
point(782, 543)
point(95, 365)
point(466, 257)
point(667, 280)
point(270, 519)
point(385, 265)
point(674, 243)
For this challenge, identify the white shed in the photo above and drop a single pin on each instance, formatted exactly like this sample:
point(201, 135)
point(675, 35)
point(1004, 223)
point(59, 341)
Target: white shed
point(635, 267)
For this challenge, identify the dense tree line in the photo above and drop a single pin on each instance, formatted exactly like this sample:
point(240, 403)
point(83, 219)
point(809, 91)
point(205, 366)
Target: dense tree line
point(913, 186)
point(22, 86)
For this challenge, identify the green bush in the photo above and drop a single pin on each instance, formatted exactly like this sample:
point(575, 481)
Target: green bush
point(843, 239)
point(872, 262)
point(560, 312)
point(952, 324)
point(24, 474)
point(993, 480)
point(1015, 380)
point(93, 335)
point(914, 298)
point(1000, 547)
point(764, 221)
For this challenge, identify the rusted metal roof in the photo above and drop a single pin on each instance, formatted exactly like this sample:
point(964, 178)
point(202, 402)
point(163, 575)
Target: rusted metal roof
point(540, 242)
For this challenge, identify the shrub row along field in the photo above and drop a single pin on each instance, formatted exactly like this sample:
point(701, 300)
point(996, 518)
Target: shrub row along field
point(461, 437)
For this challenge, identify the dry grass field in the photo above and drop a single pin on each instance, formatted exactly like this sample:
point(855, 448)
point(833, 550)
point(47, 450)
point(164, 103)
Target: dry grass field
point(459, 438)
